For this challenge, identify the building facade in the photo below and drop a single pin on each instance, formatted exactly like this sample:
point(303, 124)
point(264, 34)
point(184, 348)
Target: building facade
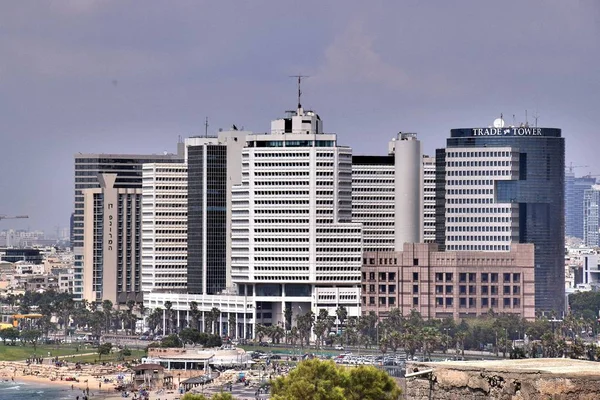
point(428, 199)
point(450, 284)
point(112, 243)
point(128, 170)
point(504, 186)
point(591, 218)
point(574, 193)
point(373, 200)
point(293, 243)
point(164, 228)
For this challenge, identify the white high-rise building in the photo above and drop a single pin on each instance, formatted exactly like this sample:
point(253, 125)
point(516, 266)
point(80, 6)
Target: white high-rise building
point(475, 220)
point(293, 243)
point(591, 217)
point(428, 199)
point(373, 200)
point(164, 228)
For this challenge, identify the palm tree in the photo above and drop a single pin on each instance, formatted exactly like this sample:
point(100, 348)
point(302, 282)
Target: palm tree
point(194, 314)
point(168, 305)
point(107, 307)
point(294, 335)
point(232, 325)
point(216, 318)
point(342, 315)
point(129, 317)
point(155, 319)
point(430, 338)
point(260, 331)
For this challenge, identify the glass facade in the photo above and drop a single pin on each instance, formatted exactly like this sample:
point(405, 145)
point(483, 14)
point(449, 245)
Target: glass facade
point(539, 193)
point(207, 219)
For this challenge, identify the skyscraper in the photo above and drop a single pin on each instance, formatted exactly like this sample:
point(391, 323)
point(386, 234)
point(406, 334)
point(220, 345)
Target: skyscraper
point(164, 228)
point(501, 186)
point(591, 218)
point(294, 246)
point(574, 189)
point(128, 170)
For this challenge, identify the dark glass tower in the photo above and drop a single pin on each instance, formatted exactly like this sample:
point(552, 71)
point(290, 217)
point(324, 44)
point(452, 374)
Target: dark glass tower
point(537, 190)
point(207, 219)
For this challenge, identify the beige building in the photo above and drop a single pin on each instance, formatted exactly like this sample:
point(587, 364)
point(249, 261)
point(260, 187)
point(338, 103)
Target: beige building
point(112, 242)
point(458, 284)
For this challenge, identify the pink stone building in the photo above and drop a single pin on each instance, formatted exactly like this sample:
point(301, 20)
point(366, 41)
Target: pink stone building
point(458, 284)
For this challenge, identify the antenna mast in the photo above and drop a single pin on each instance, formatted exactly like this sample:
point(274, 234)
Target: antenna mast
point(299, 88)
point(206, 127)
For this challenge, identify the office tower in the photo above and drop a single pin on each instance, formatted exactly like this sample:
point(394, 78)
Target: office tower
point(503, 186)
point(214, 167)
point(428, 199)
point(128, 170)
point(385, 186)
point(450, 284)
point(373, 200)
point(111, 242)
point(164, 228)
point(591, 221)
point(574, 189)
point(293, 245)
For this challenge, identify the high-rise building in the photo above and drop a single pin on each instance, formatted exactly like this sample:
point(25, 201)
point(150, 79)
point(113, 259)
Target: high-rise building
point(164, 228)
point(214, 167)
point(112, 242)
point(293, 243)
point(387, 191)
point(574, 189)
point(591, 218)
point(428, 199)
point(128, 170)
point(373, 200)
point(502, 186)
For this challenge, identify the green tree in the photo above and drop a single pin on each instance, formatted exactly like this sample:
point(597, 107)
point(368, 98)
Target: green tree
point(107, 309)
point(189, 336)
point(171, 341)
point(11, 334)
point(104, 349)
point(216, 396)
point(324, 380)
point(32, 336)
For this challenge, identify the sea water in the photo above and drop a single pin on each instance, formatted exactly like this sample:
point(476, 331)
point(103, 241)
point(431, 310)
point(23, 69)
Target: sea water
point(25, 391)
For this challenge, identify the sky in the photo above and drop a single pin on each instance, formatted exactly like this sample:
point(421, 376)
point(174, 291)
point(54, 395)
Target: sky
point(118, 76)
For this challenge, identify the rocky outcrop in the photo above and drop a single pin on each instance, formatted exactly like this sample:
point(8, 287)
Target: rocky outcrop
point(449, 382)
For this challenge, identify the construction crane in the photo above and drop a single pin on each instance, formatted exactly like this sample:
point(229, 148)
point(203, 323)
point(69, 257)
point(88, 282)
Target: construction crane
point(572, 167)
point(13, 217)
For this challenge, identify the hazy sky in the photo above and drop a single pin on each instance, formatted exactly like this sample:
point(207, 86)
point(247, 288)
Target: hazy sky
point(132, 76)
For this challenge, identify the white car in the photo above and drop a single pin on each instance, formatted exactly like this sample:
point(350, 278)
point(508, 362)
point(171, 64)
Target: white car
point(339, 347)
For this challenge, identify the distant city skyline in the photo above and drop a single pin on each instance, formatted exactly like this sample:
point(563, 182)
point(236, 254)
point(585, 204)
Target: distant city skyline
point(92, 77)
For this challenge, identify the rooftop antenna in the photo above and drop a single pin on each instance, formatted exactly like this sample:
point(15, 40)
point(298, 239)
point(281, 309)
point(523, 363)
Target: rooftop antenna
point(536, 116)
point(526, 119)
point(299, 89)
point(206, 127)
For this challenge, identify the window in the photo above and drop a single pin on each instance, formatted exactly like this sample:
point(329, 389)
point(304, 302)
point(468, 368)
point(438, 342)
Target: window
point(415, 301)
point(449, 289)
point(462, 277)
point(484, 302)
point(391, 301)
point(494, 290)
point(506, 290)
point(415, 261)
point(415, 288)
point(484, 277)
point(484, 290)
point(449, 302)
point(506, 277)
point(462, 289)
point(516, 278)
point(392, 289)
point(392, 276)
point(449, 277)
point(382, 301)
point(382, 288)
point(371, 301)
point(415, 276)
point(439, 277)
point(371, 276)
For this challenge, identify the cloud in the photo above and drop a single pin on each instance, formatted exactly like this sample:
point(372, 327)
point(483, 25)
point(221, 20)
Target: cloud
point(351, 58)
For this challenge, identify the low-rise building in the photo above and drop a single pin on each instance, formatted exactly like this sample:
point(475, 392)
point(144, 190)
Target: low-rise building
point(457, 284)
